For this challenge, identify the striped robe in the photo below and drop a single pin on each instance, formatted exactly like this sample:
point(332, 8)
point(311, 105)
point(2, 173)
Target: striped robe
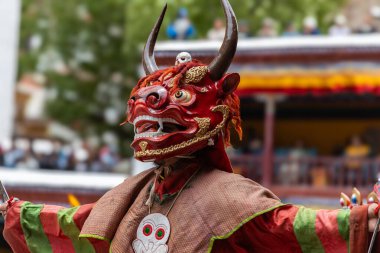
point(37, 228)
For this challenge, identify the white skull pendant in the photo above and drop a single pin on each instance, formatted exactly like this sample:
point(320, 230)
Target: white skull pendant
point(152, 234)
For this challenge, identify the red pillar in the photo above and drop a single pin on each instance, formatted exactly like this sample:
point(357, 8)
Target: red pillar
point(267, 162)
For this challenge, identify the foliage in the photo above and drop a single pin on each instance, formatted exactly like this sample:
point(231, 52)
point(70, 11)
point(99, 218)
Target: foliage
point(80, 56)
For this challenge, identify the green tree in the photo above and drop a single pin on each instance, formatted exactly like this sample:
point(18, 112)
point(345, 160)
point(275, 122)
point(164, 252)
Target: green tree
point(80, 54)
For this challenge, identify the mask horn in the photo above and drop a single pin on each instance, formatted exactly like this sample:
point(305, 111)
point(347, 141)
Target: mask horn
point(219, 66)
point(148, 60)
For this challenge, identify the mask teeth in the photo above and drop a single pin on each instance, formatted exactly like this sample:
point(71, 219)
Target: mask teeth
point(161, 124)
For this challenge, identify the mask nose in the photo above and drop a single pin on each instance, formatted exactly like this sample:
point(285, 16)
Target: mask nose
point(154, 97)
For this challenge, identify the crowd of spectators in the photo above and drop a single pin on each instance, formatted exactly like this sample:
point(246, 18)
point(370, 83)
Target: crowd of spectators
point(351, 164)
point(57, 155)
point(182, 28)
point(355, 163)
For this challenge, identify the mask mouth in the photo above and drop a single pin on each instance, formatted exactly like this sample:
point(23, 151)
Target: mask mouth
point(147, 126)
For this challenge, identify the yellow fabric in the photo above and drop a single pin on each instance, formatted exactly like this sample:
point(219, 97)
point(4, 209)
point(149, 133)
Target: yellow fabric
point(355, 155)
point(357, 151)
point(309, 79)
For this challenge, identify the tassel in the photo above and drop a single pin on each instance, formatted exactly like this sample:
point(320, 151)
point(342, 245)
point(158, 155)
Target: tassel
point(149, 202)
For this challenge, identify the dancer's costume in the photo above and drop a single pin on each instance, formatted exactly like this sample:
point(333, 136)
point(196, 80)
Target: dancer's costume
point(191, 202)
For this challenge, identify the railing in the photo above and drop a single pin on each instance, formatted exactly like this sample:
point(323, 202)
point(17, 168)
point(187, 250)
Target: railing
point(52, 187)
point(314, 175)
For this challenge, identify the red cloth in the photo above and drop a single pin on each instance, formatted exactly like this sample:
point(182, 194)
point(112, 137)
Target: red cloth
point(269, 232)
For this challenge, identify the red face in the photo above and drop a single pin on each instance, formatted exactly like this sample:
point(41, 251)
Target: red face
point(174, 117)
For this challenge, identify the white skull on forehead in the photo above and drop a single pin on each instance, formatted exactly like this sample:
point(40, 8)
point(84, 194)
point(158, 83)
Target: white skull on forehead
point(182, 58)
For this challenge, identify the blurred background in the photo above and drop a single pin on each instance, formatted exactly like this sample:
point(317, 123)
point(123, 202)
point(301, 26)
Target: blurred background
point(309, 92)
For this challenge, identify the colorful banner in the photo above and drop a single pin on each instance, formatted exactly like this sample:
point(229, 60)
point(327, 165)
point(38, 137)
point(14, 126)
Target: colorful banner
point(310, 81)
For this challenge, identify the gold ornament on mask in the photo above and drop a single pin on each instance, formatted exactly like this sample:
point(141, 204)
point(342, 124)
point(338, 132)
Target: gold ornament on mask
point(204, 124)
point(143, 145)
point(195, 74)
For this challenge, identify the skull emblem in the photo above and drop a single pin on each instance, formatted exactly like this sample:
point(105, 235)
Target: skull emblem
point(152, 234)
point(182, 58)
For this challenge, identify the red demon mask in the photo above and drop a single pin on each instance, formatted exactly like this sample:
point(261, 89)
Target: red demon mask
point(185, 108)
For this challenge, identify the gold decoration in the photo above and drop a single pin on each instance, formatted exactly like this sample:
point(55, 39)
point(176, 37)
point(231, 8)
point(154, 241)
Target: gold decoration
point(143, 145)
point(356, 192)
point(195, 74)
point(155, 152)
point(372, 198)
point(204, 90)
point(203, 124)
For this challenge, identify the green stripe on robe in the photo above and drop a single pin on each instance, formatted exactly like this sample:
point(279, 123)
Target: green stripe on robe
point(70, 229)
point(31, 225)
point(344, 224)
point(304, 229)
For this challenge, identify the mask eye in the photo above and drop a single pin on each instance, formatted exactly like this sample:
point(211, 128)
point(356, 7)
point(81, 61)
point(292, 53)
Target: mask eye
point(182, 96)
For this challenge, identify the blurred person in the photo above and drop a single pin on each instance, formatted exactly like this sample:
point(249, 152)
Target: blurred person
point(44, 152)
point(95, 164)
point(47, 161)
point(355, 154)
point(108, 157)
point(63, 157)
point(310, 26)
point(356, 151)
point(268, 29)
point(181, 28)
point(319, 175)
point(292, 170)
point(244, 31)
point(217, 31)
point(290, 30)
point(340, 27)
point(28, 161)
point(13, 155)
point(289, 171)
point(81, 155)
point(367, 26)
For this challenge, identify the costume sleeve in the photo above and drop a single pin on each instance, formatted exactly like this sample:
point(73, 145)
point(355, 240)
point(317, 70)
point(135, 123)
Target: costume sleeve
point(299, 229)
point(35, 228)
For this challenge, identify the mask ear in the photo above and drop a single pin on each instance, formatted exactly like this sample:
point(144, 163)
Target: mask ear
point(228, 84)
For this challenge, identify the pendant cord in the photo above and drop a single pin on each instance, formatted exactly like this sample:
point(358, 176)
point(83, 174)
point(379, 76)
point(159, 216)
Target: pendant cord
point(179, 193)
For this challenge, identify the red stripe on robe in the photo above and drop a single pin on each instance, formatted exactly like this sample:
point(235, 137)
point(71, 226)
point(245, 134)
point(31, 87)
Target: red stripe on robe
point(327, 229)
point(269, 232)
point(80, 217)
point(52, 229)
point(13, 231)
